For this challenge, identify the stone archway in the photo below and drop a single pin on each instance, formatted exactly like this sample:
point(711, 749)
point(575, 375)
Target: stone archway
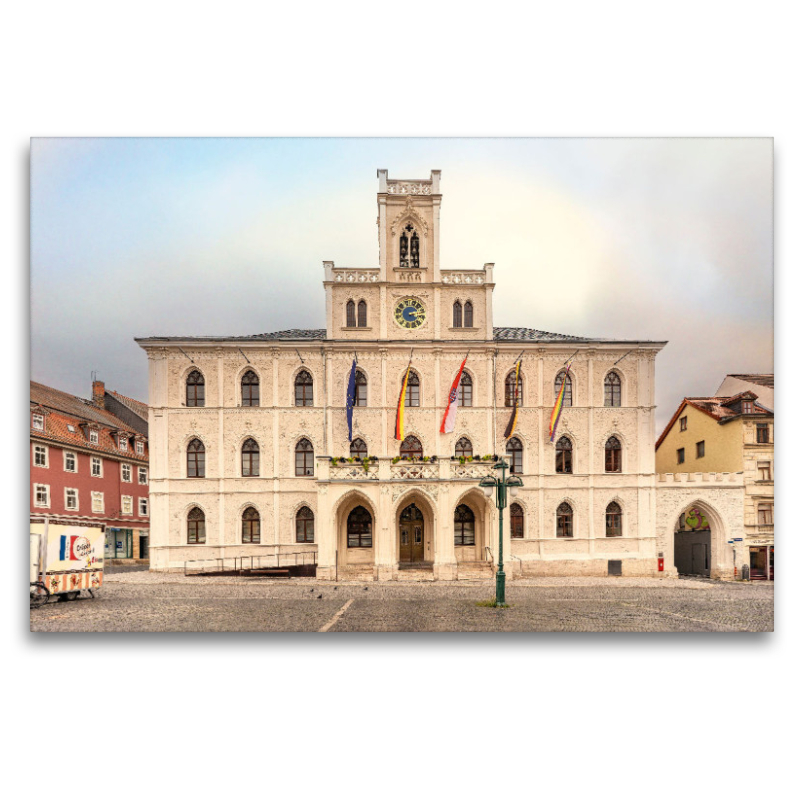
point(415, 531)
point(356, 530)
point(475, 501)
point(698, 540)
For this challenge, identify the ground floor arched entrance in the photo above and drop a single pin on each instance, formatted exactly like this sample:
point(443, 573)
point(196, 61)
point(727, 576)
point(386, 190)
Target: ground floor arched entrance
point(693, 543)
point(411, 530)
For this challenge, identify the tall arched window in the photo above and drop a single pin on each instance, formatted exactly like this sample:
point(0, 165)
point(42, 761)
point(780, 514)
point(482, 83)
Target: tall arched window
point(304, 458)
point(361, 388)
point(564, 521)
point(464, 526)
point(359, 528)
point(613, 455)
point(613, 390)
point(250, 454)
point(514, 453)
point(304, 526)
point(613, 520)
point(196, 459)
point(303, 389)
point(564, 455)
point(468, 314)
point(412, 389)
point(465, 390)
point(463, 448)
point(358, 448)
point(362, 314)
point(411, 448)
point(511, 385)
point(350, 321)
point(568, 391)
point(457, 319)
point(195, 389)
point(196, 527)
point(517, 521)
point(251, 526)
point(409, 247)
point(250, 389)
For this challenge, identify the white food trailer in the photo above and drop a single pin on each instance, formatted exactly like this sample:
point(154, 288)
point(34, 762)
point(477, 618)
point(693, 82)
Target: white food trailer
point(66, 558)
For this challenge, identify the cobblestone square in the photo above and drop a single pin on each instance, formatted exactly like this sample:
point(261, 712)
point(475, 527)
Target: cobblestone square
point(140, 601)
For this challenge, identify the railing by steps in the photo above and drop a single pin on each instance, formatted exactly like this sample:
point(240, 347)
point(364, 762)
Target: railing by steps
point(242, 565)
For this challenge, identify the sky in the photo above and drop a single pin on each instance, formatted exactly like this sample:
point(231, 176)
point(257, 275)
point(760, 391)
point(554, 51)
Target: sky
point(657, 239)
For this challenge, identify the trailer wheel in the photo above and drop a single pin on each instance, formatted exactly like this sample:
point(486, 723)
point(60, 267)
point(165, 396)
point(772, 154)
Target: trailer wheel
point(68, 596)
point(40, 594)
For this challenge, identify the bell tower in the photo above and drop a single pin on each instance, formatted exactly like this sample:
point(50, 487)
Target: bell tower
point(408, 228)
point(408, 296)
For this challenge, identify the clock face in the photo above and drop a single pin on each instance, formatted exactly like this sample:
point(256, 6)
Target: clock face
point(409, 313)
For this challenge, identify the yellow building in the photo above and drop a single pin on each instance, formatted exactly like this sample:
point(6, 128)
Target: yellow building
point(725, 435)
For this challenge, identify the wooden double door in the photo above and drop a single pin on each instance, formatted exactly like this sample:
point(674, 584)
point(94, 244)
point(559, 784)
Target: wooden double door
point(412, 535)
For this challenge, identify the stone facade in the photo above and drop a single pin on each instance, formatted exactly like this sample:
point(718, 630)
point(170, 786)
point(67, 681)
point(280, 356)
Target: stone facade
point(386, 486)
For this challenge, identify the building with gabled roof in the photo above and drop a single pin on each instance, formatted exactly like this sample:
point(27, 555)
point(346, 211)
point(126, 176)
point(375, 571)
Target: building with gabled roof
point(89, 466)
point(726, 434)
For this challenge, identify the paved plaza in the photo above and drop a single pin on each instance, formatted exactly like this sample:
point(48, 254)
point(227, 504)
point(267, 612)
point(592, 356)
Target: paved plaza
point(157, 602)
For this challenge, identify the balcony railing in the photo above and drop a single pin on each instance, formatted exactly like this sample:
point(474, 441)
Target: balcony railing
point(391, 469)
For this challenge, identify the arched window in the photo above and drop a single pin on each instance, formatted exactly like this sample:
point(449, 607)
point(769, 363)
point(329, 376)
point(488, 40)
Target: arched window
point(196, 527)
point(250, 394)
point(514, 453)
point(564, 455)
point(412, 389)
point(511, 385)
point(304, 526)
point(564, 521)
point(358, 448)
point(195, 389)
point(251, 526)
point(303, 389)
point(613, 520)
point(465, 390)
point(411, 448)
point(568, 391)
point(613, 390)
point(250, 454)
point(517, 521)
point(350, 322)
point(359, 528)
point(613, 455)
point(468, 314)
point(409, 247)
point(196, 459)
point(361, 388)
point(457, 320)
point(304, 458)
point(463, 448)
point(362, 314)
point(464, 526)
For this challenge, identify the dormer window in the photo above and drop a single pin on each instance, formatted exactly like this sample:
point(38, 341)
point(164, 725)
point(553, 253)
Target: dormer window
point(37, 422)
point(139, 448)
point(409, 247)
point(747, 406)
point(123, 443)
point(94, 437)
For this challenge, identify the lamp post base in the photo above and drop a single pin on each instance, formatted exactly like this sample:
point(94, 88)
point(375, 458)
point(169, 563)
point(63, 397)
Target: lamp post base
point(500, 588)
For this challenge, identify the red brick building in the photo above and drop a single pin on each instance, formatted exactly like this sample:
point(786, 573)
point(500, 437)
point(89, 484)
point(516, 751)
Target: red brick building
point(88, 465)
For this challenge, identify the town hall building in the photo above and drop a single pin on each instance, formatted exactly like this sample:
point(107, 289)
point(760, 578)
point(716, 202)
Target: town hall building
point(251, 457)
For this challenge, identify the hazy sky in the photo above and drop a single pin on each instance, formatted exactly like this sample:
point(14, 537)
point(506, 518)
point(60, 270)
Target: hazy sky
point(666, 239)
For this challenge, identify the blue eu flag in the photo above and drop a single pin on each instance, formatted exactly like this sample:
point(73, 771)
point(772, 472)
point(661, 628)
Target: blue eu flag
point(351, 400)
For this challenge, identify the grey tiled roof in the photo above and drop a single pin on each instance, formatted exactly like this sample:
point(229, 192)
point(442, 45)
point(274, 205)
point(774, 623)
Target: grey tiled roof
point(293, 333)
point(533, 335)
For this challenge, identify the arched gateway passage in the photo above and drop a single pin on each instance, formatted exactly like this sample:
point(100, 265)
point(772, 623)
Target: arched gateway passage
point(412, 535)
point(693, 538)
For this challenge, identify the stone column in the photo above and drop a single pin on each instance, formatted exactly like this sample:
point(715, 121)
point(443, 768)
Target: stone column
point(444, 563)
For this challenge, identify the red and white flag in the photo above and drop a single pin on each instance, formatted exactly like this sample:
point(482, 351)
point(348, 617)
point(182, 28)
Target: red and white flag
point(449, 419)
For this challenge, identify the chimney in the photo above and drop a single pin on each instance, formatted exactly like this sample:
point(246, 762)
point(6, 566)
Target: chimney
point(99, 393)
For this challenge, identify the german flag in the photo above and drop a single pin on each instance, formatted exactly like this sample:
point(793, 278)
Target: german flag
point(399, 426)
point(512, 423)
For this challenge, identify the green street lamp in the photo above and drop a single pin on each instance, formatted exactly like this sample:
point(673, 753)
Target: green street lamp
point(505, 485)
